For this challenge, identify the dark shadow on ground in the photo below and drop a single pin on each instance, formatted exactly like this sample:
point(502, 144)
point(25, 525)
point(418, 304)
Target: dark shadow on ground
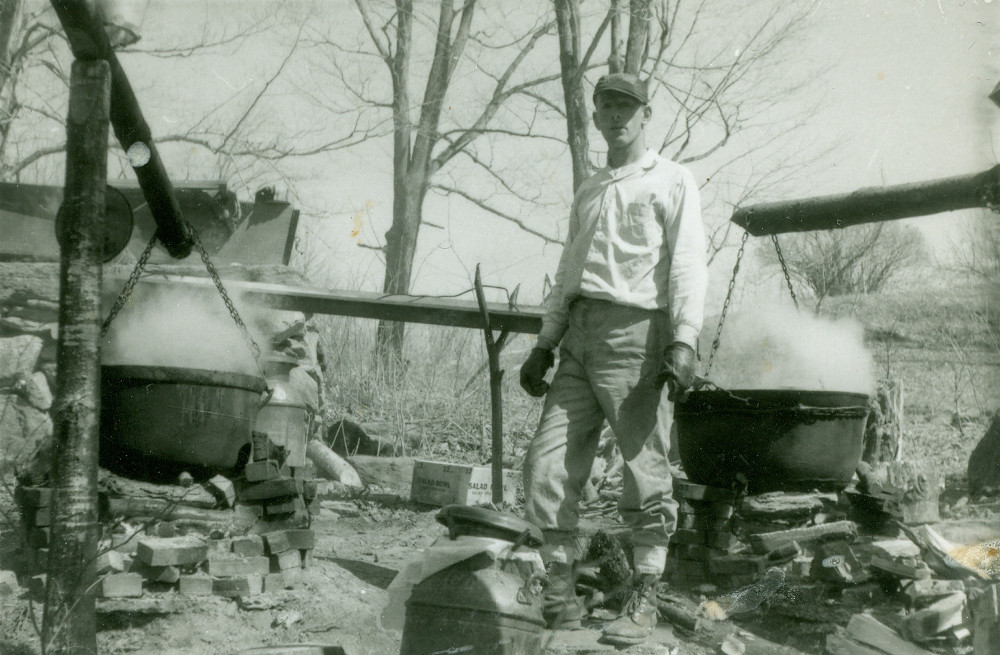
point(373, 574)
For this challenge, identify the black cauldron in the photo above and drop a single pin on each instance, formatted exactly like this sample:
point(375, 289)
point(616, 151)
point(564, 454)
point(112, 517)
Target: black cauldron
point(771, 439)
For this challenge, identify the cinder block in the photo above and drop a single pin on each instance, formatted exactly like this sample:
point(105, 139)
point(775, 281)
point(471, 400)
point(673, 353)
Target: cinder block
point(242, 586)
point(195, 585)
point(121, 585)
point(226, 567)
point(223, 489)
point(289, 559)
point(274, 582)
point(158, 551)
point(248, 546)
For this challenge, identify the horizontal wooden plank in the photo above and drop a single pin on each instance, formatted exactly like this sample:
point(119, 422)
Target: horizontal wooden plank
point(361, 304)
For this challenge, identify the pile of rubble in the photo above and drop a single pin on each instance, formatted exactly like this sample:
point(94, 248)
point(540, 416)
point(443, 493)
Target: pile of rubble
point(865, 563)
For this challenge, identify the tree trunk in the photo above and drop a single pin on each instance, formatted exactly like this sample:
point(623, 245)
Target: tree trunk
point(68, 621)
point(568, 23)
point(638, 36)
point(616, 60)
point(400, 247)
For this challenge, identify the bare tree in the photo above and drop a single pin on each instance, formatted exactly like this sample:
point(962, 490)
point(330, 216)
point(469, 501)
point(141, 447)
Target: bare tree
point(859, 259)
point(425, 141)
point(977, 250)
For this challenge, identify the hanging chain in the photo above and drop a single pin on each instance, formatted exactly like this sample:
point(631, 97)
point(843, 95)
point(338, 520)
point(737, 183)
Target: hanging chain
point(125, 296)
point(725, 305)
point(222, 291)
point(784, 269)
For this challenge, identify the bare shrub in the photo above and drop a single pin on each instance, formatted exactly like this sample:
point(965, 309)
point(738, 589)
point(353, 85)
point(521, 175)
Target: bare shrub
point(859, 259)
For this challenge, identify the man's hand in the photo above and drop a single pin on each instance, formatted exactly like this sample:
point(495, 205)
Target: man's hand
point(533, 371)
point(678, 371)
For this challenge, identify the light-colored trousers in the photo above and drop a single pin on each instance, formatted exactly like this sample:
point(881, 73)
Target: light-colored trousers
point(608, 360)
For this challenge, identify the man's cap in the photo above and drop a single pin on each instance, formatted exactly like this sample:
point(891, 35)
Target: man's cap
point(625, 83)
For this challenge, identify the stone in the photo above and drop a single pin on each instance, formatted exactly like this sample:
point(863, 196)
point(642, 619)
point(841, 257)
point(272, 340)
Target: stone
point(274, 582)
point(157, 551)
point(35, 391)
point(18, 358)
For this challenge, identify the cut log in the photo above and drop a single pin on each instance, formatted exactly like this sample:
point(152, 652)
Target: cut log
point(838, 530)
point(192, 496)
point(332, 465)
point(390, 472)
point(164, 510)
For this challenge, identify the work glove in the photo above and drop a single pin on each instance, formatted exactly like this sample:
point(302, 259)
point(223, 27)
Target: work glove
point(678, 371)
point(533, 371)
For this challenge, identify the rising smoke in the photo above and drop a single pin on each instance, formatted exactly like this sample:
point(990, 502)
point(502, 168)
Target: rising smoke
point(179, 327)
point(781, 348)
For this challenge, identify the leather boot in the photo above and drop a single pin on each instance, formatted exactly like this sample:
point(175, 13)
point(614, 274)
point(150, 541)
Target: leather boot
point(638, 615)
point(562, 609)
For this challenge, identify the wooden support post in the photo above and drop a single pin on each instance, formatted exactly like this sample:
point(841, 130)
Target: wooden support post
point(68, 623)
point(493, 349)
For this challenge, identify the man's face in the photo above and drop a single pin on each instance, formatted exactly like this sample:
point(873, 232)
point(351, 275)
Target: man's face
point(620, 118)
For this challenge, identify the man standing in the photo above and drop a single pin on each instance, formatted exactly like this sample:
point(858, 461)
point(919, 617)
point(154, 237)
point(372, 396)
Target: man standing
point(626, 311)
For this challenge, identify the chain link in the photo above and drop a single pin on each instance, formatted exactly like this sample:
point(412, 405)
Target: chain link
point(725, 305)
point(784, 269)
point(254, 348)
point(125, 296)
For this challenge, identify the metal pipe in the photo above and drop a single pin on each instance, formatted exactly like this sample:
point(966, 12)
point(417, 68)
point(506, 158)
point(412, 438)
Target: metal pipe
point(88, 41)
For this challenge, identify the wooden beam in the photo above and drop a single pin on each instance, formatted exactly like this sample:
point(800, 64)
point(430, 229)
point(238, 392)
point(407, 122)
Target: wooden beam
point(360, 304)
point(872, 205)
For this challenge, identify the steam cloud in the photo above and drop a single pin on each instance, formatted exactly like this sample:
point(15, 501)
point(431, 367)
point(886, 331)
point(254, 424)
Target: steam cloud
point(781, 348)
point(179, 328)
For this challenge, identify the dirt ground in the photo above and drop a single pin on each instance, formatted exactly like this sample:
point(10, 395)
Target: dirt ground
point(363, 540)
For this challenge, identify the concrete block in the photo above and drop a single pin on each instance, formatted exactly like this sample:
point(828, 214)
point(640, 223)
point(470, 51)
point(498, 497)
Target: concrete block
point(226, 567)
point(291, 506)
point(39, 537)
point(738, 564)
point(158, 551)
point(307, 558)
point(33, 497)
point(36, 585)
point(195, 585)
point(248, 585)
point(692, 491)
point(248, 546)
point(289, 559)
point(223, 489)
point(165, 529)
point(164, 574)
point(277, 541)
point(274, 582)
point(112, 561)
point(121, 585)
point(18, 357)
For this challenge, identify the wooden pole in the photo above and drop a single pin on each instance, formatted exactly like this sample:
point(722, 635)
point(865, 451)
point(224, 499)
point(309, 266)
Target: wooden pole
point(872, 205)
point(68, 620)
point(493, 348)
point(88, 41)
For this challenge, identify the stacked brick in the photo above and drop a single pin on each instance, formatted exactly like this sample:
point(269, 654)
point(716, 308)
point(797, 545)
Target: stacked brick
point(192, 565)
point(278, 494)
point(703, 534)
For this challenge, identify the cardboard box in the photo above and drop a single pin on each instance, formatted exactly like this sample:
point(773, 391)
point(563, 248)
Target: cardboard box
point(441, 483)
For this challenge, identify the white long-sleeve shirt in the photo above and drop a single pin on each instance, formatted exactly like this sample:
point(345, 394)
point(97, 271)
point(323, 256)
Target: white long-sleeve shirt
point(635, 238)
